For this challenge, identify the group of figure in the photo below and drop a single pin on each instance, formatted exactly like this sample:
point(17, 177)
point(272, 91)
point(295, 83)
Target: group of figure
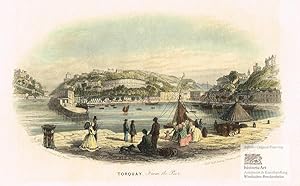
point(89, 142)
point(149, 141)
point(184, 133)
point(188, 131)
point(129, 130)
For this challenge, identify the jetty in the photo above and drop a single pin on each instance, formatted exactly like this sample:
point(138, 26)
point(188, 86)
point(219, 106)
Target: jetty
point(63, 103)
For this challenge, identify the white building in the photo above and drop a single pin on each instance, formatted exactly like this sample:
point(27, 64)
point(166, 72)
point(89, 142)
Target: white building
point(76, 76)
point(129, 83)
point(256, 68)
point(66, 96)
point(173, 96)
point(270, 61)
point(68, 76)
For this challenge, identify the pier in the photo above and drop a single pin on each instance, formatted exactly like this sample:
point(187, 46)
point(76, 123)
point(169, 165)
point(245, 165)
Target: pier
point(68, 111)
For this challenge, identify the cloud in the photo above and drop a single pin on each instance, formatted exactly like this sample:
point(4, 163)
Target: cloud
point(202, 48)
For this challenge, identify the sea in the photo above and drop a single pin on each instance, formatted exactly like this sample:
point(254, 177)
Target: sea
point(33, 113)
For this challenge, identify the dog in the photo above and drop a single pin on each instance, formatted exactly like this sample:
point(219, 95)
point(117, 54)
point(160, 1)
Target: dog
point(127, 149)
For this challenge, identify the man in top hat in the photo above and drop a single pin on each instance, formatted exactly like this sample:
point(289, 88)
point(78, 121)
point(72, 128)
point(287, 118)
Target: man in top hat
point(155, 133)
point(125, 130)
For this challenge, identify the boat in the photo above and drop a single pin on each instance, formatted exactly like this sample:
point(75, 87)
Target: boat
point(115, 107)
point(138, 108)
point(152, 107)
point(112, 105)
point(91, 105)
point(151, 103)
point(101, 107)
point(125, 109)
point(180, 114)
point(82, 105)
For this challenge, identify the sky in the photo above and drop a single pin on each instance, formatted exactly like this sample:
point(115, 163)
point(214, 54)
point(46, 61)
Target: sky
point(202, 39)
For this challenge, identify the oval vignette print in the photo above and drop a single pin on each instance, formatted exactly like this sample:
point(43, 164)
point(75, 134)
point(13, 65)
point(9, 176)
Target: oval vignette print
point(149, 88)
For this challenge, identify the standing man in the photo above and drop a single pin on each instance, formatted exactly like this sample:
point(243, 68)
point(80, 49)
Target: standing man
point(95, 126)
point(155, 133)
point(132, 131)
point(125, 130)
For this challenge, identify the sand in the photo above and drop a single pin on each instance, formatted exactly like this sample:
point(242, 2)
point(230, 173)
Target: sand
point(207, 148)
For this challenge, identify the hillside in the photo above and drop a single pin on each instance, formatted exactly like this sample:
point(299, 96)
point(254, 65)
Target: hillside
point(93, 83)
point(24, 83)
point(230, 82)
point(263, 79)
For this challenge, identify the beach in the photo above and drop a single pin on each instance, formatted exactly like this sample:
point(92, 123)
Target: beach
point(207, 148)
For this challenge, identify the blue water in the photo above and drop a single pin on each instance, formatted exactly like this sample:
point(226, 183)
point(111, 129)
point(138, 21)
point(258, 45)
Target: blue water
point(33, 113)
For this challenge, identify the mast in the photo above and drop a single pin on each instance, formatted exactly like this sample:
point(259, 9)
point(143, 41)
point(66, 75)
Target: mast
point(180, 114)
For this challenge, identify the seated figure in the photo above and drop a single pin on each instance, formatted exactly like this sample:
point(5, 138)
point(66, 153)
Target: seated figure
point(145, 145)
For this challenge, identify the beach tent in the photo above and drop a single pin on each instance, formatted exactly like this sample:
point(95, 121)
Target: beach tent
point(236, 113)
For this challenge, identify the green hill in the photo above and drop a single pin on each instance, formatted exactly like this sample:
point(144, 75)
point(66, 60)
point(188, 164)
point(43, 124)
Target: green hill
point(230, 82)
point(154, 83)
point(23, 83)
point(263, 79)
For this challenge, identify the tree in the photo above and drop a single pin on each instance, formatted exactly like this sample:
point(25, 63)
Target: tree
point(233, 75)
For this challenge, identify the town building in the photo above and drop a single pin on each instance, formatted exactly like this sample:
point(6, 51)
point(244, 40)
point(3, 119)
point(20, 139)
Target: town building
point(20, 73)
point(128, 83)
point(259, 96)
point(111, 70)
point(84, 75)
point(243, 78)
point(266, 96)
point(76, 76)
point(94, 83)
point(256, 68)
point(218, 95)
point(195, 95)
point(173, 96)
point(97, 71)
point(66, 96)
point(67, 77)
point(270, 61)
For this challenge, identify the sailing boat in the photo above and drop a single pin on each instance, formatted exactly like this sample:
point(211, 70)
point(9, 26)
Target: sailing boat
point(180, 115)
point(181, 111)
point(149, 102)
point(125, 109)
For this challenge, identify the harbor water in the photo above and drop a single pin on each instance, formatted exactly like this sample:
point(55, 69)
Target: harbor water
point(33, 113)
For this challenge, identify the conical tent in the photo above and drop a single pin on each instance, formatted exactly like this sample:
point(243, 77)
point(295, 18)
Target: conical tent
point(236, 113)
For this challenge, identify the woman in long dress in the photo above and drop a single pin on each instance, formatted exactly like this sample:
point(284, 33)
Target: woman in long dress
point(89, 142)
point(183, 137)
point(196, 133)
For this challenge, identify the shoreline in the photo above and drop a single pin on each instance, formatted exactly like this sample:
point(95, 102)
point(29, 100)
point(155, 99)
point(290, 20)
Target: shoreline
point(208, 148)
